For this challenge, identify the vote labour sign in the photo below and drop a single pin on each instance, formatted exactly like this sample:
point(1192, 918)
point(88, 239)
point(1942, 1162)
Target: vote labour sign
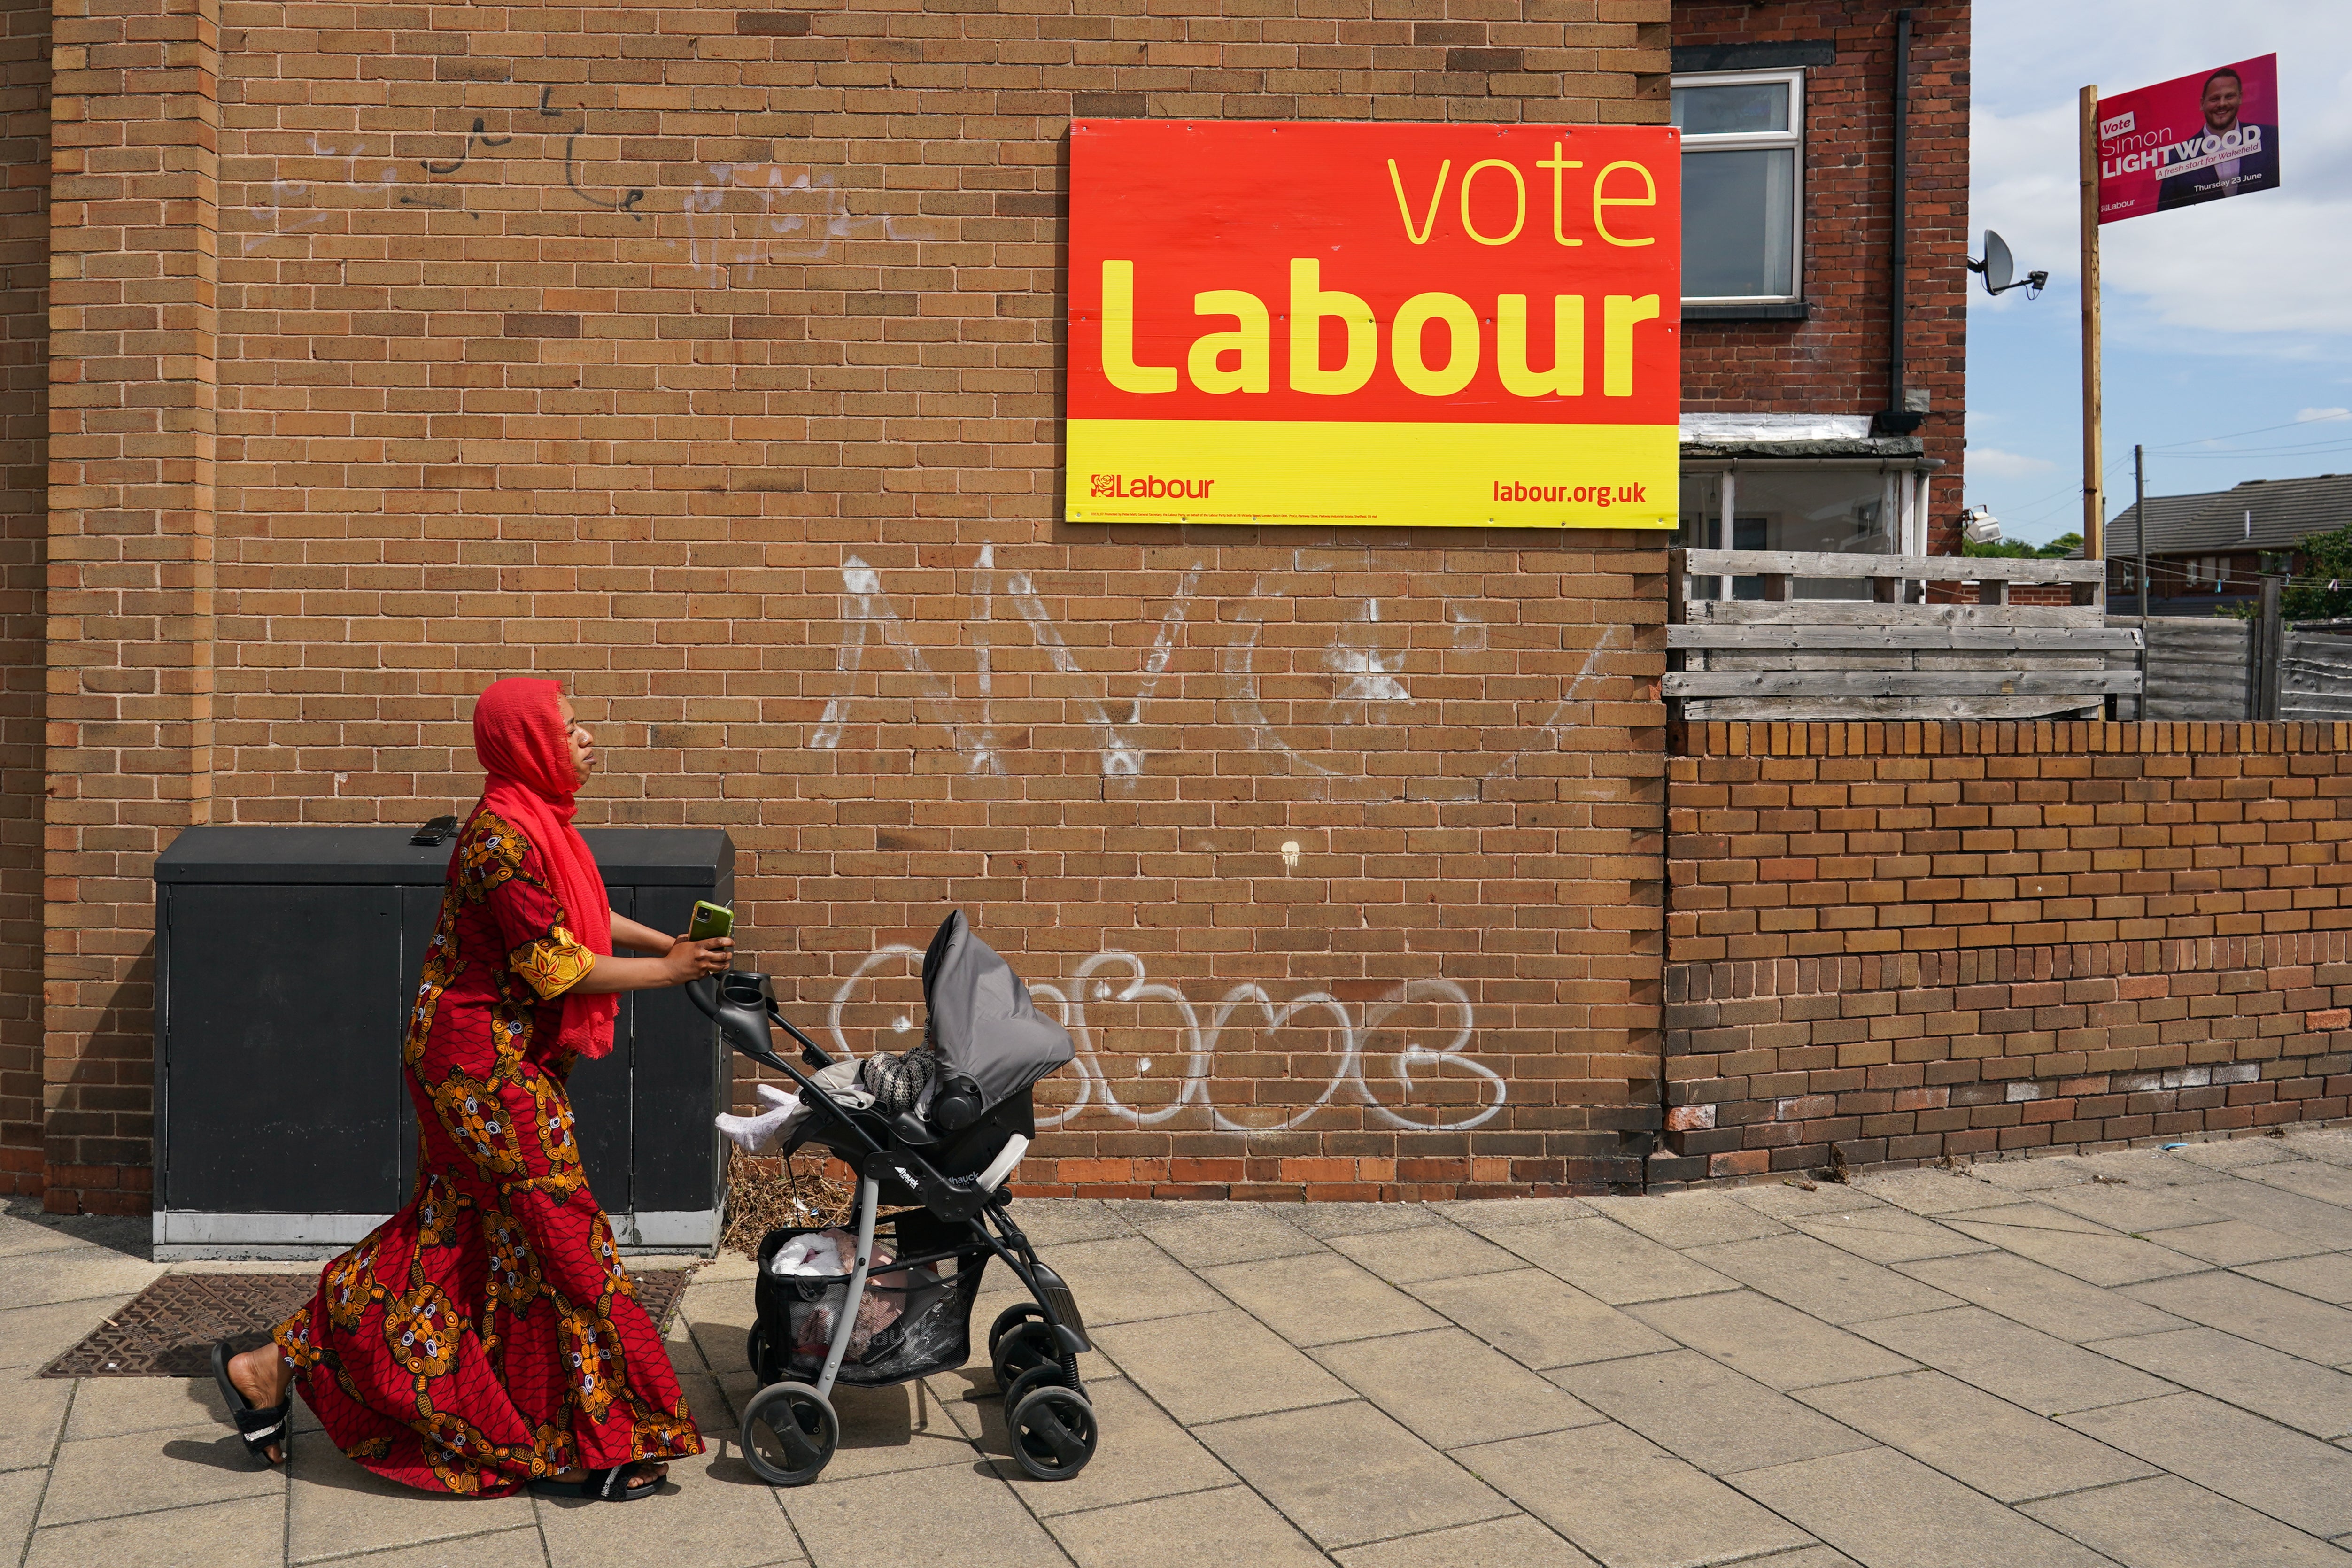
point(2194, 139)
point(1469, 326)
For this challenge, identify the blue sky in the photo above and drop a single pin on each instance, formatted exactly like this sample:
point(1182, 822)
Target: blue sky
point(2226, 318)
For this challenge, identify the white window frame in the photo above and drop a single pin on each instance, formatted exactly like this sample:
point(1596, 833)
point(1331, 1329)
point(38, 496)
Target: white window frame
point(1794, 138)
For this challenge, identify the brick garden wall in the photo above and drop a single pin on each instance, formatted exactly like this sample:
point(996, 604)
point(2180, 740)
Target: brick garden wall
point(708, 358)
point(1910, 941)
point(1835, 361)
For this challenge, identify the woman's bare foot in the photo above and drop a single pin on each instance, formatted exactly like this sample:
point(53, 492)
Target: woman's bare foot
point(263, 1375)
point(641, 1472)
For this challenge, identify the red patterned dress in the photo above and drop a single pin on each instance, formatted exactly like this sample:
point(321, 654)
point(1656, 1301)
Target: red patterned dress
point(487, 1334)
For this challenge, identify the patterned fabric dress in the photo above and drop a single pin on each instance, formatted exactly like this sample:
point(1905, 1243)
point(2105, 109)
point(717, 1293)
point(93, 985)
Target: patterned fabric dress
point(487, 1334)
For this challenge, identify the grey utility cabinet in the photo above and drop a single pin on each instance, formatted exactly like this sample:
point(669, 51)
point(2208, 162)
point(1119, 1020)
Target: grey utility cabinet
point(286, 961)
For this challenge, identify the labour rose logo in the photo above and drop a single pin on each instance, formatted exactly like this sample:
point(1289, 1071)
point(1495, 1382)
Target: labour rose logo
point(1106, 485)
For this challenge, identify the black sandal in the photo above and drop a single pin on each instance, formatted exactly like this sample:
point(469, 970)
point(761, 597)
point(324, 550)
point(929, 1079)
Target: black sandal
point(258, 1426)
point(605, 1486)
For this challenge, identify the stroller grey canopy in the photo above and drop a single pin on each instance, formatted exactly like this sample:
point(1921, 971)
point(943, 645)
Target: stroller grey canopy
point(981, 1021)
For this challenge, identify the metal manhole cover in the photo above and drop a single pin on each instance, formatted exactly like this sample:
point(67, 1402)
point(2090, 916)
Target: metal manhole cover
point(168, 1329)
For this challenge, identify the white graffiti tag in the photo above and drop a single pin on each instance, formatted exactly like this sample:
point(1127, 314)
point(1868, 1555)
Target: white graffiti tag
point(1393, 1097)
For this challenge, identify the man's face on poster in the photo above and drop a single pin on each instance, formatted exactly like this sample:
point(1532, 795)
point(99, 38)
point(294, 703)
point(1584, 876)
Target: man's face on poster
point(2220, 103)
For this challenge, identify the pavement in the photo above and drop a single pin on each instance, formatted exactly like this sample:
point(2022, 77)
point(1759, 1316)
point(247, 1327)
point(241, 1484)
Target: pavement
point(2137, 1358)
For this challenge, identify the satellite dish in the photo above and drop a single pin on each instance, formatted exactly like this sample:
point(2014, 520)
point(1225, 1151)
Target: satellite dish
point(1999, 266)
point(2000, 270)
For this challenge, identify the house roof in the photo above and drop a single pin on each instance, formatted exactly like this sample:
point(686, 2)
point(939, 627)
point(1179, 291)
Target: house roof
point(2258, 514)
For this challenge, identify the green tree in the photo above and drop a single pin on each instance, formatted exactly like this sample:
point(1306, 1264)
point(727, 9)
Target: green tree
point(2323, 591)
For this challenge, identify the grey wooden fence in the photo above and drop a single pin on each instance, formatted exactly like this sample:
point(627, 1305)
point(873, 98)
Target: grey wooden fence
point(1787, 656)
point(2195, 666)
point(2316, 673)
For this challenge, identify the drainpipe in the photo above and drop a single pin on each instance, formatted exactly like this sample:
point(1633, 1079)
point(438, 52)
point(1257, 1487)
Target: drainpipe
point(1898, 420)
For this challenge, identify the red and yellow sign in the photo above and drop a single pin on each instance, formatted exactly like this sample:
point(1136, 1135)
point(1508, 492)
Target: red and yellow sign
point(1470, 326)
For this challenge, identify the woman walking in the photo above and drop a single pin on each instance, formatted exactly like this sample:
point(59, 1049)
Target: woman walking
point(486, 1337)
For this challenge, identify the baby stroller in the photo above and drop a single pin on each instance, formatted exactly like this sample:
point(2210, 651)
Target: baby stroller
point(943, 1163)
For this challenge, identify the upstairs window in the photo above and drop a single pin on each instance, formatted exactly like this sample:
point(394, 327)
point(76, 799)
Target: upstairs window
point(1743, 185)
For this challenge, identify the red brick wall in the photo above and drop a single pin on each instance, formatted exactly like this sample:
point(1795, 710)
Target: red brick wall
point(1908, 941)
point(1835, 361)
point(717, 373)
point(24, 530)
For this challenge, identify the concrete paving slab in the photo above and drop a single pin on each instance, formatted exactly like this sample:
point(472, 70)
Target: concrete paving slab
point(77, 1274)
point(2168, 1524)
point(2035, 1370)
point(1216, 1366)
point(1348, 1474)
point(1706, 1413)
point(2314, 1399)
point(20, 1501)
point(1790, 1199)
point(1202, 1235)
point(2311, 1179)
point(2099, 1259)
point(2230, 1242)
point(1776, 1344)
point(2006, 1453)
point(520, 1548)
point(1450, 1389)
point(1402, 1257)
point(110, 1406)
point(20, 1235)
point(1126, 1281)
point(1889, 1510)
point(2324, 1226)
point(335, 1509)
point(1685, 1220)
point(2128, 1207)
point(247, 1533)
point(2256, 1310)
point(890, 1431)
point(2041, 1215)
point(1230, 1528)
point(36, 1420)
point(2289, 1476)
point(2041, 1298)
point(1487, 1215)
point(1144, 1454)
point(2333, 1144)
point(1884, 1234)
point(1611, 1263)
point(32, 1337)
point(715, 1514)
point(2031, 1173)
point(1320, 1299)
point(2324, 1277)
point(1517, 1542)
point(1627, 1503)
point(1058, 1221)
point(1327, 1221)
point(201, 1464)
point(1537, 1320)
point(1825, 1281)
point(2235, 1153)
point(1934, 1191)
point(967, 1515)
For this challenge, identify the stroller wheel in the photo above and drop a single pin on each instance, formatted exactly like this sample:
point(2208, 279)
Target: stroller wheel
point(1011, 1318)
point(1030, 1345)
point(789, 1434)
point(1048, 1375)
point(1054, 1432)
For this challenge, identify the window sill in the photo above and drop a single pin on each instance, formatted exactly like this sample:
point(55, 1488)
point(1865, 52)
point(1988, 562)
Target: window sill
point(1746, 310)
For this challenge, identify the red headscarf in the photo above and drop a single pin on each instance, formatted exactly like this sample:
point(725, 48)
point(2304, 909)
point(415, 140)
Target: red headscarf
point(520, 740)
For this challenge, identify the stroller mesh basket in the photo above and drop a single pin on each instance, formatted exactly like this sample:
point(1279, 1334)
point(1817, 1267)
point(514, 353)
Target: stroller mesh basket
point(929, 1331)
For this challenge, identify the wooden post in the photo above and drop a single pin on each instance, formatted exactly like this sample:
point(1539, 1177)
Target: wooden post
point(2094, 461)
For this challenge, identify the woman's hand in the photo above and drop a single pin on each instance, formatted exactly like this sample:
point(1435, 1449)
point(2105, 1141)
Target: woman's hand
point(689, 960)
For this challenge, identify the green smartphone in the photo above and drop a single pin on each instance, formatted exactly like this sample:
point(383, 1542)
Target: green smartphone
point(709, 920)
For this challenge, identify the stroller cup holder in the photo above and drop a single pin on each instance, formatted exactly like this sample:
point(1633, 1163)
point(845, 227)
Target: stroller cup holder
point(948, 1176)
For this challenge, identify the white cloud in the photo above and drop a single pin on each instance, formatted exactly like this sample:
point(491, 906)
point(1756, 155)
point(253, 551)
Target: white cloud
point(2308, 416)
point(2257, 275)
point(1992, 463)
